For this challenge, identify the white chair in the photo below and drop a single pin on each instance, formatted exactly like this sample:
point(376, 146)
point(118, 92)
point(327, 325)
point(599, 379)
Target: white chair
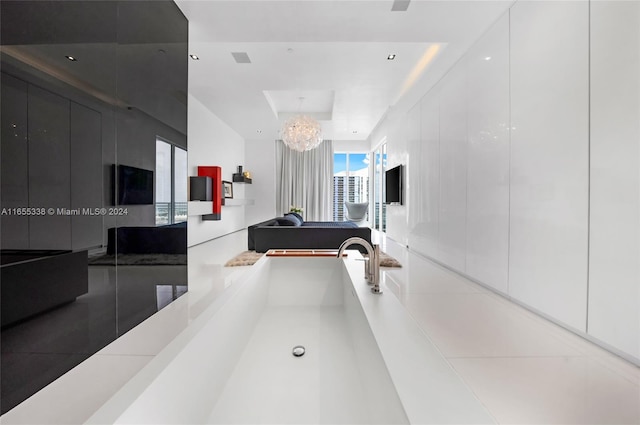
point(357, 211)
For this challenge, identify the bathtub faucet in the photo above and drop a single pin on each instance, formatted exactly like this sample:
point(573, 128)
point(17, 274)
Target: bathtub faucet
point(371, 264)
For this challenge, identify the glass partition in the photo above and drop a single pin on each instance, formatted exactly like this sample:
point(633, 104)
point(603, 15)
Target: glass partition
point(87, 87)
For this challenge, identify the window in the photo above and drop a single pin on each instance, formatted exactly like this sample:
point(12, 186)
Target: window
point(350, 181)
point(171, 183)
point(380, 208)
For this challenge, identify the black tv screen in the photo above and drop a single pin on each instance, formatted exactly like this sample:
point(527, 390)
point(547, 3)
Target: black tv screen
point(393, 185)
point(134, 185)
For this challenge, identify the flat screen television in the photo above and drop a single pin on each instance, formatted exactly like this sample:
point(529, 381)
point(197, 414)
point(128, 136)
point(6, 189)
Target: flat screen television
point(134, 185)
point(393, 185)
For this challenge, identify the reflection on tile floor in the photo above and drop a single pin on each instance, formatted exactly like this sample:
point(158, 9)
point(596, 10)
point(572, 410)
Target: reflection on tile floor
point(41, 349)
point(551, 390)
point(119, 361)
point(523, 368)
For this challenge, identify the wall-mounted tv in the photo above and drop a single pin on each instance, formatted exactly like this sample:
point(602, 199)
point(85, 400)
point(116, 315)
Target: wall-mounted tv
point(393, 185)
point(134, 185)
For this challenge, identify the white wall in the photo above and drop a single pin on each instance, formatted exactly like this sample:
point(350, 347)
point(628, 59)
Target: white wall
point(453, 168)
point(524, 167)
point(423, 183)
point(212, 142)
point(549, 158)
point(614, 260)
point(261, 162)
point(396, 214)
point(351, 146)
point(459, 164)
point(487, 218)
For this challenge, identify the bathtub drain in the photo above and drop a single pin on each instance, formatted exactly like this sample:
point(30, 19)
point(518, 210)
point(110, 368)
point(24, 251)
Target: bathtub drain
point(298, 351)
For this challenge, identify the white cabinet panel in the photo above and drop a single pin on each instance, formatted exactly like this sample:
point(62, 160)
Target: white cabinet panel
point(614, 261)
point(414, 189)
point(453, 168)
point(430, 164)
point(425, 206)
point(549, 158)
point(488, 160)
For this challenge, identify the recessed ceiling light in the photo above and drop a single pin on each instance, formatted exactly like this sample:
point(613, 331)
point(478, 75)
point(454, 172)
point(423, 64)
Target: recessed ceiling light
point(259, 131)
point(391, 57)
point(71, 58)
point(487, 58)
point(194, 57)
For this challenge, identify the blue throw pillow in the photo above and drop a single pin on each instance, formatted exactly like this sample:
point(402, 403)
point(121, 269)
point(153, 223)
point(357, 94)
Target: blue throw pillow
point(287, 221)
point(297, 216)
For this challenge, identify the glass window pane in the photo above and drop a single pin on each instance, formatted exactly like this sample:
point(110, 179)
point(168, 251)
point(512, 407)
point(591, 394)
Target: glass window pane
point(358, 177)
point(163, 182)
point(180, 185)
point(350, 181)
point(377, 189)
point(383, 187)
point(339, 180)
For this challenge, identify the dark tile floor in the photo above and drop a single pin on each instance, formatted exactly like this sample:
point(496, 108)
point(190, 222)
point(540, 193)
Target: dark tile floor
point(39, 350)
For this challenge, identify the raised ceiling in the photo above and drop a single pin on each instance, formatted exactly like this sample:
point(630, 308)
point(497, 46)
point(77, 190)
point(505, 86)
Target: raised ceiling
point(326, 58)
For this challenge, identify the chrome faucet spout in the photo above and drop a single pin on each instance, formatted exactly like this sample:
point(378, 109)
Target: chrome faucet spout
point(372, 264)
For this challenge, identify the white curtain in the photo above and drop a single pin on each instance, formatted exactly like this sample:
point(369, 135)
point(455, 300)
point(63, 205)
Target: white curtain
point(305, 179)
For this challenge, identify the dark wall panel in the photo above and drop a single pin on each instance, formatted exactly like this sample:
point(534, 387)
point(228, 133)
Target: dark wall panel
point(86, 176)
point(49, 169)
point(73, 121)
point(14, 168)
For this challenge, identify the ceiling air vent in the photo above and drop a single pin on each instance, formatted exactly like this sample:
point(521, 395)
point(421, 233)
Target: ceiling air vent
point(400, 5)
point(241, 57)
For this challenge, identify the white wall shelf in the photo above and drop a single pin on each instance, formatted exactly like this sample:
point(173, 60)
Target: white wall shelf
point(199, 207)
point(196, 208)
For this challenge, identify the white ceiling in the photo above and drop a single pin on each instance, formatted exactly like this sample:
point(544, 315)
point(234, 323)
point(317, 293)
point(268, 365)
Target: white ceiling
point(326, 58)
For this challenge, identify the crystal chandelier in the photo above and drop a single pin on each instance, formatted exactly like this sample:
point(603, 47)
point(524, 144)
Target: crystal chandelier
point(301, 133)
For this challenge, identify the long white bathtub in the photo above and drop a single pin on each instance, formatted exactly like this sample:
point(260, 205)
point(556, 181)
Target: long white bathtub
point(366, 361)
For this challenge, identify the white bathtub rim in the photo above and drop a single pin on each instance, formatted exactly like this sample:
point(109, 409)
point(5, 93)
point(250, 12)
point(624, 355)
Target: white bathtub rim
point(404, 350)
point(405, 373)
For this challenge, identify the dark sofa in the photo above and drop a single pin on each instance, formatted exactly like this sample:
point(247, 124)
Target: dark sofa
point(169, 239)
point(272, 234)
